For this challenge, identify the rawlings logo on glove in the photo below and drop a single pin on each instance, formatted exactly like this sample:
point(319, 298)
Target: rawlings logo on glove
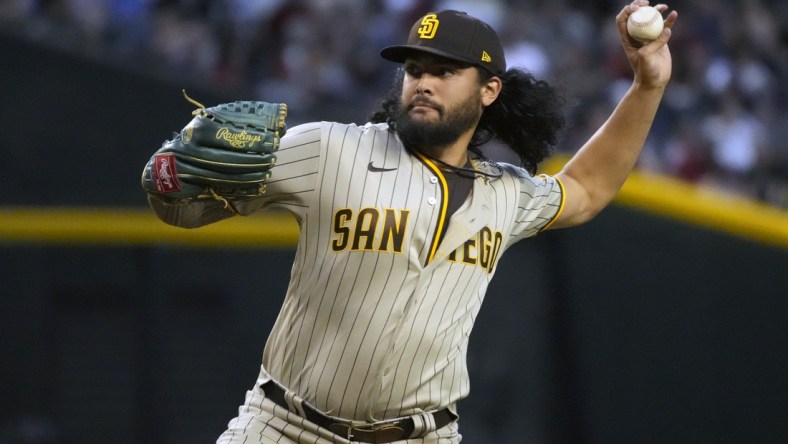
point(166, 177)
point(225, 153)
point(238, 140)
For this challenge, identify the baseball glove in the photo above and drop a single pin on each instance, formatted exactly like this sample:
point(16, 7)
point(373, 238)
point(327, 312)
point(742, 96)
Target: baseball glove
point(225, 153)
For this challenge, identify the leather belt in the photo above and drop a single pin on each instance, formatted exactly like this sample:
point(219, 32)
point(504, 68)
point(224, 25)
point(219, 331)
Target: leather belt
point(379, 432)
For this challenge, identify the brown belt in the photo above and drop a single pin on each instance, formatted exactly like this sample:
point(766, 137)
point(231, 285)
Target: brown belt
point(379, 432)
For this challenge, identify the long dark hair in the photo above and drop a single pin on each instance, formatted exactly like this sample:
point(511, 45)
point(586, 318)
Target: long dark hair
point(527, 115)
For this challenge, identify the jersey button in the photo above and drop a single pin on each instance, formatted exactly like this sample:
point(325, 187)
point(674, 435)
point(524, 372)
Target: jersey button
point(434, 179)
point(431, 201)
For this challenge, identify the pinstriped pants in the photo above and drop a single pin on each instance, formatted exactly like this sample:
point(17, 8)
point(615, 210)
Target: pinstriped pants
point(262, 421)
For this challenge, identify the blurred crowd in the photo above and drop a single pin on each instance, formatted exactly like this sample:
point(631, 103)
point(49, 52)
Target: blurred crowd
point(724, 121)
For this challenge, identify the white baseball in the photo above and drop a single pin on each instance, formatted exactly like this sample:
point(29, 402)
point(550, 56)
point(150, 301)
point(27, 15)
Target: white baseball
point(645, 24)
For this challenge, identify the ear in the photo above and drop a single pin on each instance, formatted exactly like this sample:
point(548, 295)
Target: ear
point(490, 90)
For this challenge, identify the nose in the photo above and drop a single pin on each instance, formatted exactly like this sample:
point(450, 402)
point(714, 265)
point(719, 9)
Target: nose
point(423, 86)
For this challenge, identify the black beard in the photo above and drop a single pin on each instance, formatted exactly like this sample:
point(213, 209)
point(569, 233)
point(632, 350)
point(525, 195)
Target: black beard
point(420, 135)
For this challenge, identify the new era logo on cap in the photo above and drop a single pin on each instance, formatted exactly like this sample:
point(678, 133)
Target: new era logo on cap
point(454, 35)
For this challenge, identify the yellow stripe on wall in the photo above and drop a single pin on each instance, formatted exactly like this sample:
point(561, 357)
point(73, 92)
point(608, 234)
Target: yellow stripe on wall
point(698, 205)
point(140, 227)
point(656, 194)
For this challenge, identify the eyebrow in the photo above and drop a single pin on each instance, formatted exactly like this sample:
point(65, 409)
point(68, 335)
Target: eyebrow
point(437, 61)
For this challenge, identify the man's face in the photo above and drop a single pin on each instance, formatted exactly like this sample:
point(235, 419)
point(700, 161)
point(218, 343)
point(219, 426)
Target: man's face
point(440, 101)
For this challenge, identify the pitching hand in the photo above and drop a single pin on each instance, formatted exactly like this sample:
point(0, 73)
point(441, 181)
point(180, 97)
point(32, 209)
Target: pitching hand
point(651, 62)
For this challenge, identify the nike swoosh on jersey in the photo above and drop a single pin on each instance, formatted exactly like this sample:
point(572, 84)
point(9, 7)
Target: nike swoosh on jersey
point(375, 169)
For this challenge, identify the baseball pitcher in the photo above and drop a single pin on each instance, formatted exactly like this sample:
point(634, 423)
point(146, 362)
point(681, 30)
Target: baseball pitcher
point(402, 223)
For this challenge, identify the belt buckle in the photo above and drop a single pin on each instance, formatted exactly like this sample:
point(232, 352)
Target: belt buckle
point(384, 432)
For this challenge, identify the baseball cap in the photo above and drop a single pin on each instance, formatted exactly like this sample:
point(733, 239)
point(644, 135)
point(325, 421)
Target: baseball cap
point(454, 35)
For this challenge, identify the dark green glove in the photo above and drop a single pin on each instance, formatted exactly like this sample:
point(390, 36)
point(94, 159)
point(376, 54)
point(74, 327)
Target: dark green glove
point(225, 153)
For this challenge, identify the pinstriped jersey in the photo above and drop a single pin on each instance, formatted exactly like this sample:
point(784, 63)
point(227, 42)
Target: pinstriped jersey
point(379, 308)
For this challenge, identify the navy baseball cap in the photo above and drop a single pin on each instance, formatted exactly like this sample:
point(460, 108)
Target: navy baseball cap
point(454, 35)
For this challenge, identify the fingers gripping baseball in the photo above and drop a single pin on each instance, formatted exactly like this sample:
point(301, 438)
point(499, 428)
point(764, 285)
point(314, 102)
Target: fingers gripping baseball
point(645, 41)
point(639, 23)
point(225, 153)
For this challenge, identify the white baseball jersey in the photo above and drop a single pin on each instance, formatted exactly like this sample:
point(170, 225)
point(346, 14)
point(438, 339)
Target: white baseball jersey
point(377, 316)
